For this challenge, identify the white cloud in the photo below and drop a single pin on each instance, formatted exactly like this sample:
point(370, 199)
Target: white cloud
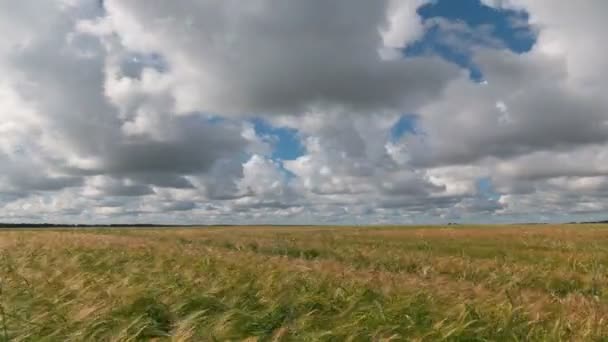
point(140, 111)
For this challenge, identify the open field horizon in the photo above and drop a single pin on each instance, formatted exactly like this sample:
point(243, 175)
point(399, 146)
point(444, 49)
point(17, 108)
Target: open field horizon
point(474, 131)
point(457, 283)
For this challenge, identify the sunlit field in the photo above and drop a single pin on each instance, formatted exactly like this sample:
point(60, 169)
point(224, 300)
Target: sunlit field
point(457, 283)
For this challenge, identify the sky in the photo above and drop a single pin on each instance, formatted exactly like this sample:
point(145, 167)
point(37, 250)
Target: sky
point(303, 112)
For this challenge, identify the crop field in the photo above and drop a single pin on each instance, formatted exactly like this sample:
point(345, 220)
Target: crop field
point(456, 283)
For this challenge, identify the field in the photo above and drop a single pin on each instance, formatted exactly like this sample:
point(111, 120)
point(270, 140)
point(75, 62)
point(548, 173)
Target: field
point(456, 283)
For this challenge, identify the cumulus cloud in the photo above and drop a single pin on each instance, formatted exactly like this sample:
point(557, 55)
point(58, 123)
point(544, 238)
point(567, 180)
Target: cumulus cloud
point(554, 133)
point(138, 110)
point(71, 114)
point(279, 57)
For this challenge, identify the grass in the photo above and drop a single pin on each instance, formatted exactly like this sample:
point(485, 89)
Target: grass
point(517, 283)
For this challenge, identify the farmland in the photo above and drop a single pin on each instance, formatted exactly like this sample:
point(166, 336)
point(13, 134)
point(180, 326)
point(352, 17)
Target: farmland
point(458, 283)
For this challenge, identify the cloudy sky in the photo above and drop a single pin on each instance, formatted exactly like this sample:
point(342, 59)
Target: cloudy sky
point(291, 111)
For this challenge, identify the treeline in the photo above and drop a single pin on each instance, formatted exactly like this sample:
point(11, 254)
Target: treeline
point(55, 225)
point(134, 225)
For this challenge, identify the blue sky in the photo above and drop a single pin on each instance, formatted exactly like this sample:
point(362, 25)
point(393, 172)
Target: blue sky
point(285, 142)
point(507, 26)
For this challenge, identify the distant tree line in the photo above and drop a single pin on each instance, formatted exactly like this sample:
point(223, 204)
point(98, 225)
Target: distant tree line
point(56, 225)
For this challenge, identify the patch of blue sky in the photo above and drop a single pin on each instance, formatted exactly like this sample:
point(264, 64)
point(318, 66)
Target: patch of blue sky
point(407, 124)
point(285, 141)
point(507, 25)
point(454, 27)
point(485, 189)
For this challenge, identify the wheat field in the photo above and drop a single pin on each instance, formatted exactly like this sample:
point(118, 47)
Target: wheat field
point(456, 283)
